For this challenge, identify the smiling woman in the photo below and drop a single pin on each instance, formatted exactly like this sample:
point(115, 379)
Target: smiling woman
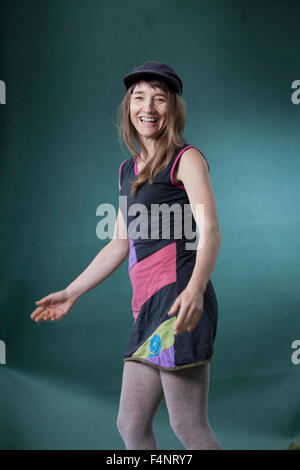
point(148, 109)
point(151, 96)
point(174, 304)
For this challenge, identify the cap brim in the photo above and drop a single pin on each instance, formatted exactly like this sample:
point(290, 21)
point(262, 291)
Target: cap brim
point(132, 78)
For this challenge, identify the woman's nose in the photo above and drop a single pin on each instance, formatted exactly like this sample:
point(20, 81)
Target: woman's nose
point(148, 105)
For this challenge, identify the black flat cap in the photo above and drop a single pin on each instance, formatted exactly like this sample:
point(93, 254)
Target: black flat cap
point(154, 69)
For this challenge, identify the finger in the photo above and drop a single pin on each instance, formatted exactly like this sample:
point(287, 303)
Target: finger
point(189, 319)
point(51, 315)
point(174, 307)
point(192, 320)
point(190, 326)
point(179, 325)
point(39, 314)
point(56, 317)
point(39, 317)
point(38, 302)
point(44, 300)
point(36, 312)
point(57, 314)
point(47, 315)
point(43, 315)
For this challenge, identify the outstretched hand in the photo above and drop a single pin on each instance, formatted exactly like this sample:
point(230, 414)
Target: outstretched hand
point(190, 305)
point(53, 307)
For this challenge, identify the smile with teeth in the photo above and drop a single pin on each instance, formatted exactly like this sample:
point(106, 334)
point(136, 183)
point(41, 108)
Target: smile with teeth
point(148, 119)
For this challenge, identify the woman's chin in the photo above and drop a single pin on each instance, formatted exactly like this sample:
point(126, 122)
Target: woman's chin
point(148, 132)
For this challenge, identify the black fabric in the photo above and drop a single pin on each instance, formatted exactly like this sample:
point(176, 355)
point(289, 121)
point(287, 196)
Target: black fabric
point(189, 347)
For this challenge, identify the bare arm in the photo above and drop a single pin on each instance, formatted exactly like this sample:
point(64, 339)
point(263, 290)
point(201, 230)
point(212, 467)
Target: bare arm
point(57, 304)
point(193, 171)
point(105, 263)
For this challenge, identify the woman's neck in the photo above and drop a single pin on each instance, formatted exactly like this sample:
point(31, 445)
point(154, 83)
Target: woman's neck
point(150, 150)
point(148, 158)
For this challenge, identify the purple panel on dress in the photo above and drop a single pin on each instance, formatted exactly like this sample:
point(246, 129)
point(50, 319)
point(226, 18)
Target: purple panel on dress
point(132, 255)
point(165, 358)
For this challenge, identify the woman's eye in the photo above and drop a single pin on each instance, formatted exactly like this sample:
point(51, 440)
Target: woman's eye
point(139, 98)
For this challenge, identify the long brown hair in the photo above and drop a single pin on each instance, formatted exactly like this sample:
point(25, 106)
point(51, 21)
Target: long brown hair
point(168, 142)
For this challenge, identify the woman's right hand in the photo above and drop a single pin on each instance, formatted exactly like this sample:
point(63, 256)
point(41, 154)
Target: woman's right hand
point(54, 306)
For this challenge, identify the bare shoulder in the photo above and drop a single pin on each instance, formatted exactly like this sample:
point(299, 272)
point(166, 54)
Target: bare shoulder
point(191, 161)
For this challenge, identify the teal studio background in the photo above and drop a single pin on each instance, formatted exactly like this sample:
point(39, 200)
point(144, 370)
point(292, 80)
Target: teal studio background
point(62, 63)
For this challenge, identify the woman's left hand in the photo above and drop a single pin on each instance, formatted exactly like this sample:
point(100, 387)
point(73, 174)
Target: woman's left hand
point(190, 303)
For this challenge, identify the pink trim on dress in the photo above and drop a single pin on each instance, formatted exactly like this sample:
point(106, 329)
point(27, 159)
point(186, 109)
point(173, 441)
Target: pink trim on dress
point(135, 165)
point(178, 156)
point(120, 169)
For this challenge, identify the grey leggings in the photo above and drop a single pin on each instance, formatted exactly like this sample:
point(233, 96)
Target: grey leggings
point(186, 394)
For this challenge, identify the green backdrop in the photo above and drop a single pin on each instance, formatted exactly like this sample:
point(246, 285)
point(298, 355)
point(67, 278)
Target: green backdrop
point(62, 63)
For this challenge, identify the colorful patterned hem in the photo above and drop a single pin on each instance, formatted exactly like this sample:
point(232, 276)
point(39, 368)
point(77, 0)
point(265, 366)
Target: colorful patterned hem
point(151, 364)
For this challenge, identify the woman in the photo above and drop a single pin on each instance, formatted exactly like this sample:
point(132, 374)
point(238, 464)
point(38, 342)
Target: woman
point(174, 303)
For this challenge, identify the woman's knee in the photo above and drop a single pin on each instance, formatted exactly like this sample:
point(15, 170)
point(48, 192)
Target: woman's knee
point(179, 427)
point(195, 435)
point(186, 425)
point(132, 425)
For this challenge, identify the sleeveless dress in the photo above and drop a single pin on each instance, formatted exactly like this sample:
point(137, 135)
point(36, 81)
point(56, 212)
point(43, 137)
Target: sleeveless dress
point(159, 268)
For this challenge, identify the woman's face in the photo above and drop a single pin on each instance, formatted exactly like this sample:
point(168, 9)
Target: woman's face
point(147, 102)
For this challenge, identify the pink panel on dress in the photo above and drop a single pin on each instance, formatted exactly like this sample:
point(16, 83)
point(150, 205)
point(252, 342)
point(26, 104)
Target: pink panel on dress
point(151, 274)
